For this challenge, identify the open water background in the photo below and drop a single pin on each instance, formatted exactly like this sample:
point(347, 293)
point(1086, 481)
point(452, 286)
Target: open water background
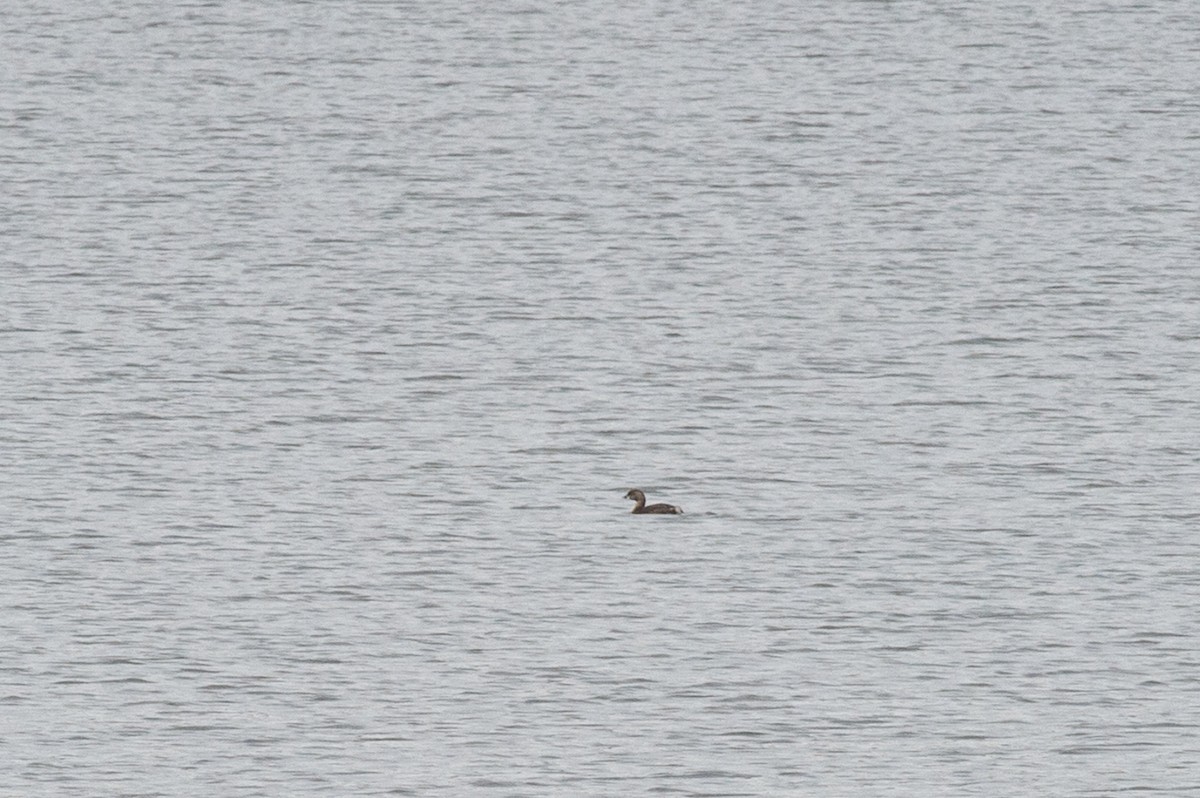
point(333, 333)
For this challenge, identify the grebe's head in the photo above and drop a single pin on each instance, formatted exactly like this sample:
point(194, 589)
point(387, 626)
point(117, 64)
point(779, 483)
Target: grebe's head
point(635, 494)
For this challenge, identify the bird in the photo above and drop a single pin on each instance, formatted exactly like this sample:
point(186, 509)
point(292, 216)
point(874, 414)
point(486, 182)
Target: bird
point(660, 509)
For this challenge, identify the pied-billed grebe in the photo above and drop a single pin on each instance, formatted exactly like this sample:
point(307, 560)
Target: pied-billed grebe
point(661, 509)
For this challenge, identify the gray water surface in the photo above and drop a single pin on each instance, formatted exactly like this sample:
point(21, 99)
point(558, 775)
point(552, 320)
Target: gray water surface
point(333, 334)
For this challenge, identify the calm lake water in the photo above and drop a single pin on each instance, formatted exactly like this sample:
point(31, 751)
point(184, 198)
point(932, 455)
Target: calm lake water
point(333, 334)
